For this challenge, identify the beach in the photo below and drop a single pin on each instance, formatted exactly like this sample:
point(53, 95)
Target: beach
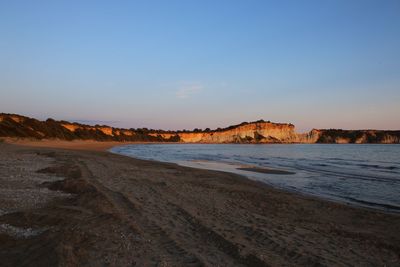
point(75, 204)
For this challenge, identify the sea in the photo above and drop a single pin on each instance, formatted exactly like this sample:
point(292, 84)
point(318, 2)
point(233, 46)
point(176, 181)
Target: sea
point(366, 175)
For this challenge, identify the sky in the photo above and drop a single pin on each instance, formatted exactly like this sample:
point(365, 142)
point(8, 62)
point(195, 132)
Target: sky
point(196, 64)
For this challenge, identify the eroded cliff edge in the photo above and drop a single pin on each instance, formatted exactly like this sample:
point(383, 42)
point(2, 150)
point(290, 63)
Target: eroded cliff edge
point(17, 126)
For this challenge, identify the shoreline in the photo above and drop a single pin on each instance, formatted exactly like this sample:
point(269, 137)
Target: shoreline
point(385, 208)
point(89, 145)
point(106, 146)
point(106, 206)
point(99, 145)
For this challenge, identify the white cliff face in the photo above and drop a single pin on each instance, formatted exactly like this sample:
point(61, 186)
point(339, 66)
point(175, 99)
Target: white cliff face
point(310, 137)
point(260, 132)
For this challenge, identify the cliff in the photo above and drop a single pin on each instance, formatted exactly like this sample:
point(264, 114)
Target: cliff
point(17, 126)
point(254, 132)
point(339, 136)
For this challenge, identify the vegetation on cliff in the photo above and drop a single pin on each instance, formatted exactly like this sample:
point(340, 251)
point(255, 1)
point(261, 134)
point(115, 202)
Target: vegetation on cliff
point(260, 131)
point(12, 125)
point(358, 136)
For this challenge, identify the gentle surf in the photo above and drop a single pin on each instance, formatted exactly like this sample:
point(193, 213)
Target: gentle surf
point(365, 175)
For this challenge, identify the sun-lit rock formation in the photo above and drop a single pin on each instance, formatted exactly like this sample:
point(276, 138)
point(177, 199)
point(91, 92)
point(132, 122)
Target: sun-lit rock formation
point(17, 126)
point(255, 132)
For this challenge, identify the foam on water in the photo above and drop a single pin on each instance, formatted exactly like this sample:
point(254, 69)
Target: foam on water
point(366, 175)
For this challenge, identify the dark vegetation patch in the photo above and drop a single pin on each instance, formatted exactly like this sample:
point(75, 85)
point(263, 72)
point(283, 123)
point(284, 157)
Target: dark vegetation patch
point(368, 136)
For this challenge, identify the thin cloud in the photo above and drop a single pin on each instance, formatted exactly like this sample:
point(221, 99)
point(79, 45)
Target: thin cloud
point(187, 90)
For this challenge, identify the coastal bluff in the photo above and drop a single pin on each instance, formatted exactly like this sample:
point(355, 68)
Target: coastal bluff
point(258, 132)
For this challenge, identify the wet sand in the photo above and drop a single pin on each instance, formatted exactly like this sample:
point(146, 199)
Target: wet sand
point(80, 206)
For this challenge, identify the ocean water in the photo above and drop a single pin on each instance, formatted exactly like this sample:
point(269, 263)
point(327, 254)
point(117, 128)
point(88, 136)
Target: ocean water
point(366, 175)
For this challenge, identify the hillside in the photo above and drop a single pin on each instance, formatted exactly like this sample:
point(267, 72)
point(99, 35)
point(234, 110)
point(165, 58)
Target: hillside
point(17, 126)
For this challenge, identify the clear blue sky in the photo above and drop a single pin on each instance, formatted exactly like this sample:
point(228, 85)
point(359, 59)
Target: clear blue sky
point(185, 64)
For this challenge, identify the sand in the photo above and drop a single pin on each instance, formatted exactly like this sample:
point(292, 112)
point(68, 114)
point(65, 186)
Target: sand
point(85, 207)
point(74, 145)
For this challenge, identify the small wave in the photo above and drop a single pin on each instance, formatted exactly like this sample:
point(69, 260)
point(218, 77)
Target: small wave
point(319, 164)
point(377, 166)
point(257, 158)
point(367, 173)
point(373, 204)
point(339, 174)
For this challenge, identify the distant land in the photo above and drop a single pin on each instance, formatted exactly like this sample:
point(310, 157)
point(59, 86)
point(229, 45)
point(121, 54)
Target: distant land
point(257, 132)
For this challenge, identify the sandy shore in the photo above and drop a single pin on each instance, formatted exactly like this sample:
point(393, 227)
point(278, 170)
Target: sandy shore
point(74, 145)
point(70, 204)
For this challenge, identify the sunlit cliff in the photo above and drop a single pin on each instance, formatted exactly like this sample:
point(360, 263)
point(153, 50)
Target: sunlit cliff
point(16, 126)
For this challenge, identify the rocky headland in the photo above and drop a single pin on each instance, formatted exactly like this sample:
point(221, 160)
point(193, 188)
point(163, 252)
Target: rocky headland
point(17, 126)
